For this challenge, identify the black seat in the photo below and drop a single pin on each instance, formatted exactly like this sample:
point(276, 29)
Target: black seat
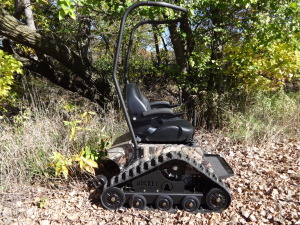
point(156, 125)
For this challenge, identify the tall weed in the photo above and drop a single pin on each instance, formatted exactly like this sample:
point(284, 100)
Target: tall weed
point(265, 117)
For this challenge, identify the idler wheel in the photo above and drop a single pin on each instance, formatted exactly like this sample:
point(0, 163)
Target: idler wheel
point(217, 199)
point(102, 179)
point(190, 203)
point(112, 198)
point(164, 202)
point(138, 202)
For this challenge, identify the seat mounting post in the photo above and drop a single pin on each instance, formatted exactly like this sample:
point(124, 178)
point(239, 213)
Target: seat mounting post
point(138, 153)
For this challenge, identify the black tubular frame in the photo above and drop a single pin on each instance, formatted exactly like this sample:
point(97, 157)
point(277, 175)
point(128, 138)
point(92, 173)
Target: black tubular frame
point(117, 54)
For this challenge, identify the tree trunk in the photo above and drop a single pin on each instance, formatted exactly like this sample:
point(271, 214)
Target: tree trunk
point(18, 8)
point(44, 66)
point(28, 14)
point(12, 29)
point(155, 30)
point(179, 48)
point(183, 49)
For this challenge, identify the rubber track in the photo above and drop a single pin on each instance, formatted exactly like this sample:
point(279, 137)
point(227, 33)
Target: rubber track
point(141, 167)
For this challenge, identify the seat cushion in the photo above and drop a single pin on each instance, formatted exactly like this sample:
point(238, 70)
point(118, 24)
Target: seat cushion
point(173, 130)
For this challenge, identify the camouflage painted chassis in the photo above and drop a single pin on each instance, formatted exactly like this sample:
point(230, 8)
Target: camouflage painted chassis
point(123, 155)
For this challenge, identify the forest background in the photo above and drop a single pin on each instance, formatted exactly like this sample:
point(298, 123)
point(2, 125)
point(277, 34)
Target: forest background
point(237, 62)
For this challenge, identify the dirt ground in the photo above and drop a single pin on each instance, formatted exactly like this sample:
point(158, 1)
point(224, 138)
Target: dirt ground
point(265, 190)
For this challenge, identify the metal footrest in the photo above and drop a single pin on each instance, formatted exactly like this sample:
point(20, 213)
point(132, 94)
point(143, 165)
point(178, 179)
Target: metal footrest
point(219, 165)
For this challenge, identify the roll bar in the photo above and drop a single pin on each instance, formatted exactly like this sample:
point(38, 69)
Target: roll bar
point(153, 22)
point(117, 54)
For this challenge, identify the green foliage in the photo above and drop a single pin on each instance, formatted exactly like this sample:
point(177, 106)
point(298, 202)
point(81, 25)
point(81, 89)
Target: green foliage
point(243, 44)
point(266, 68)
point(67, 8)
point(74, 124)
point(224, 32)
point(8, 4)
point(8, 67)
point(86, 160)
point(22, 119)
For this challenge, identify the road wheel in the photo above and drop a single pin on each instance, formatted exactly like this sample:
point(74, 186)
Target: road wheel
point(112, 198)
point(190, 203)
point(216, 199)
point(164, 202)
point(138, 202)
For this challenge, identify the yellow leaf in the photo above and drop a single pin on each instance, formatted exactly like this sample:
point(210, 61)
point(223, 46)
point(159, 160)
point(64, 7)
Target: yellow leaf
point(76, 158)
point(82, 152)
point(90, 169)
point(92, 163)
point(65, 171)
point(81, 165)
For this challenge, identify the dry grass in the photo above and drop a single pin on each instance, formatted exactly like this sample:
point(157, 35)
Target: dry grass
point(266, 118)
point(28, 140)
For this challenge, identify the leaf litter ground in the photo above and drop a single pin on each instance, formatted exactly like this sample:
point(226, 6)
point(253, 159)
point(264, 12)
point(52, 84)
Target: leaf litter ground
point(265, 190)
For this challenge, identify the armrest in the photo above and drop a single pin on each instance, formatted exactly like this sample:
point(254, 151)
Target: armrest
point(158, 111)
point(162, 104)
point(163, 112)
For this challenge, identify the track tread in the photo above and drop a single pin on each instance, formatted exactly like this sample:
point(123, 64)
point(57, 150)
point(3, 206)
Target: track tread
point(132, 172)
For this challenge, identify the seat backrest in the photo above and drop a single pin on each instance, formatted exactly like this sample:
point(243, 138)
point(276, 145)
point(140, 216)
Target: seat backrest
point(137, 103)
